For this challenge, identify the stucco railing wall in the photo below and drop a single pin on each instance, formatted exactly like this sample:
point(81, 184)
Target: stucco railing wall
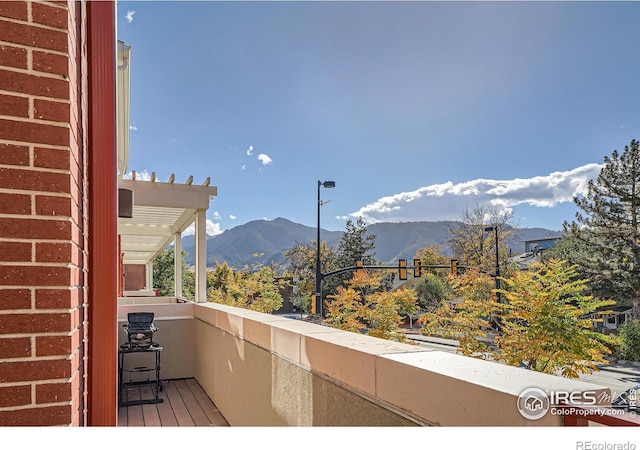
point(265, 370)
point(176, 335)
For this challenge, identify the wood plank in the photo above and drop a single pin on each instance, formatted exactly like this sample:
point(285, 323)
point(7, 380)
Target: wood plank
point(179, 409)
point(149, 412)
point(165, 412)
point(213, 414)
point(185, 404)
point(122, 416)
point(135, 417)
point(198, 416)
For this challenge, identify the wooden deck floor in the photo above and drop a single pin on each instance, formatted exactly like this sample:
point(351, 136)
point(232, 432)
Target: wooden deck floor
point(185, 405)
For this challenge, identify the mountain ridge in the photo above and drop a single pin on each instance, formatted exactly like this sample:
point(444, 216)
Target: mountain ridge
point(266, 241)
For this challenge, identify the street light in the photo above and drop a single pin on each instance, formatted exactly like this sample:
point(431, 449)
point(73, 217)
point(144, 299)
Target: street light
point(328, 185)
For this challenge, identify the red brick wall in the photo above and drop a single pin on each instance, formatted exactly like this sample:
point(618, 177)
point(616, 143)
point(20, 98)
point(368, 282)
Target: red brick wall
point(135, 277)
point(43, 194)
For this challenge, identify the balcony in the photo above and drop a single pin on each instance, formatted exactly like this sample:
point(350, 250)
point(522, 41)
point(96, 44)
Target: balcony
point(265, 370)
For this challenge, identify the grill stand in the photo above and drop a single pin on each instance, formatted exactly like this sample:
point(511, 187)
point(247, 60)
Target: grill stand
point(125, 350)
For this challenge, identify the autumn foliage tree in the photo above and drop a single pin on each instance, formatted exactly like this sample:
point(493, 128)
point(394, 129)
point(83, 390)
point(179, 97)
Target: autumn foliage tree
point(547, 323)
point(258, 291)
point(467, 320)
point(360, 306)
point(546, 320)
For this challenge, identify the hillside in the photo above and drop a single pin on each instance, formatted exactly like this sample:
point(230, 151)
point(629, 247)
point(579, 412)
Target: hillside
point(394, 241)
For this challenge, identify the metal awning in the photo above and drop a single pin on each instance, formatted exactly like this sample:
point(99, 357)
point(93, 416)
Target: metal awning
point(160, 211)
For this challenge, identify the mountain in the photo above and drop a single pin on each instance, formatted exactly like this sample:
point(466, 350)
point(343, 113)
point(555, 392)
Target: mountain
point(273, 238)
point(238, 245)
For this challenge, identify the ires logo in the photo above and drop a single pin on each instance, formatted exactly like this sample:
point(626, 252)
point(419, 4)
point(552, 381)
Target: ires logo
point(534, 403)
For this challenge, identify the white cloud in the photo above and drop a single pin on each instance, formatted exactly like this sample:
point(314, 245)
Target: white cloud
point(447, 201)
point(244, 166)
point(133, 127)
point(129, 16)
point(264, 159)
point(216, 215)
point(232, 217)
point(213, 229)
point(250, 150)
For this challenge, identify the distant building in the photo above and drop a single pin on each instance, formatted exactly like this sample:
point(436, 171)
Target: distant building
point(532, 250)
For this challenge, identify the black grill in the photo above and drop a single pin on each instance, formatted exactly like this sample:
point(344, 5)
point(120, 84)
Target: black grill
point(140, 329)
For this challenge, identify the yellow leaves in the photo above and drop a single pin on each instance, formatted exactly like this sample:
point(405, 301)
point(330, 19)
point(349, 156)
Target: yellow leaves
point(545, 319)
point(257, 291)
point(357, 308)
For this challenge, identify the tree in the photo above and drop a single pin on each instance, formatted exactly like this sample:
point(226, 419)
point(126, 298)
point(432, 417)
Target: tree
point(546, 320)
point(475, 247)
point(302, 266)
point(355, 245)
point(630, 341)
point(432, 288)
point(468, 319)
point(431, 292)
point(607, 226)
point(361, 307)
point(258, 291)
point(433, 255)
point(164, 276)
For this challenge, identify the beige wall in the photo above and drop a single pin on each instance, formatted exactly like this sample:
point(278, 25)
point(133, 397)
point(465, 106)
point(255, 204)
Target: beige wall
point(266, 370)
point(176, 335)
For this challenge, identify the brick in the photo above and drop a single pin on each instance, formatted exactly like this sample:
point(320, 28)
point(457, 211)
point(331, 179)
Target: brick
point(51, 158)
point(35, 323)
point(47, 205)
point(55, 298)
point(34, 180)
point(14, 299)
point(29, 84)
point(36, 417)
point(33, 276)
point(52, 111)
point(15, 251)
point(15, 203)
point(50, 63)
point(14, 155)
point(53, 345)
point(15, 371)
point(15, 348)
point(15, 395)
point(23, 34)
point(36, 133)
point(49, 15)
point(11, 105)
point(14, 10)
point(53, 393)
point(52, 252)
point(13, 56)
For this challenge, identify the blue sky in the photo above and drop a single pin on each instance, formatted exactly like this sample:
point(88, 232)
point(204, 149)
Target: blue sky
point(417, 110)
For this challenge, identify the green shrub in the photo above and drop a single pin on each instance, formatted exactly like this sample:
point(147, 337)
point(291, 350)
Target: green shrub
point(630, 341)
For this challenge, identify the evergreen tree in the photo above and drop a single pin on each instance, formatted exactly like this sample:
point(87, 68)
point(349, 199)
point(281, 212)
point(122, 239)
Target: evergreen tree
point(607, 227)
point(355, 245)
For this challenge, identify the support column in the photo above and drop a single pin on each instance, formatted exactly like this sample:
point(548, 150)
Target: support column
point(148, 275)
point(201, 256)
point(103, 215)
point(177, 264)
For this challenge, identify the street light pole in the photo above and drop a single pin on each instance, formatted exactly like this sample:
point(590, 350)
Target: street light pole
point(328, 185)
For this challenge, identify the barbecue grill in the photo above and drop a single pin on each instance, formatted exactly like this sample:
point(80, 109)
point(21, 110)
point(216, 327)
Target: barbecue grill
point(140, 329)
